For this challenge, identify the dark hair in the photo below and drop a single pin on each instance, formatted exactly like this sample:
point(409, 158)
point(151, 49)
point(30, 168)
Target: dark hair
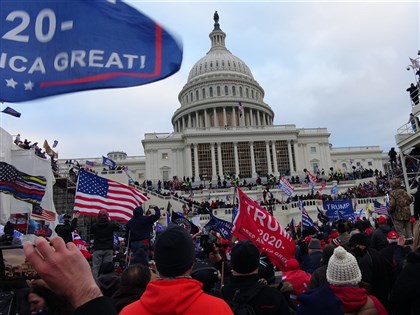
point(136, 275)
point(54, 303)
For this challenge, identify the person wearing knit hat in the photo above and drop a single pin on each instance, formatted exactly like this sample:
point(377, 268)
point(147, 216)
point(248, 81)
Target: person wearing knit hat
point(244, 281)
point(344, 276)
point(176, 291)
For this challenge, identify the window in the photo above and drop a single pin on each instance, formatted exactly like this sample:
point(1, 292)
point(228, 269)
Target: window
point(315, 167)
point(204, 93)
point(211, 91)
point(226, 90)
point(165, 175)
point(165, 156)
point(358, 163)
point(218, 91)
point(233, 90)
point(370, 163)
point(313, 149)
point(240, 91)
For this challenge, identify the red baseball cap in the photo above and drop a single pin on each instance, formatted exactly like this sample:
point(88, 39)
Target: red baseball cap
point(382, 220)
point(392, 235)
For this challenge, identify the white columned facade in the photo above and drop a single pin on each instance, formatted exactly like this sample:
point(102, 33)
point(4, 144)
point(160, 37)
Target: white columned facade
point(224, 117)
point(215, 120)
point(197, 122)
point(258, 118)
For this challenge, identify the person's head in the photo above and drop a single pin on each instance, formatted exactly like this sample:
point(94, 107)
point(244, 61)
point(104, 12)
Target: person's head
point(136, 275)
point(314, 245)
point(103, 214)
point(138, 211)
point(292, 264)
point(381, 220)
point(174, 252)
point(266, 269)
point(359, 243)
point(327, 252)
point(342, 269)
point(9, 228)
point(392, 237)
point(206, 274)
point(66, 218)
point(106, 267)
point(395, 183)
point(40, 298)
point(245, 258)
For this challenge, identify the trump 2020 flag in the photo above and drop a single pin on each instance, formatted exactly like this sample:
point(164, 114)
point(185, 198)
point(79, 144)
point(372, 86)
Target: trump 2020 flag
point(94, 193)
point(22, 186)
point(254, 223)
point(55, 47)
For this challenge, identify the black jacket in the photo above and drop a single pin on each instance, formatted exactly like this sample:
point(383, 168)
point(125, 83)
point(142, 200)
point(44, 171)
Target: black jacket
point(405, 295)
point(268, 301)
point(65, 230)
point(140, 227)
point(103, 232)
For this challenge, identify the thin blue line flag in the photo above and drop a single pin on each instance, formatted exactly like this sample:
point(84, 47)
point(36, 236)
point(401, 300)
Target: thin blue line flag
point(55, 47)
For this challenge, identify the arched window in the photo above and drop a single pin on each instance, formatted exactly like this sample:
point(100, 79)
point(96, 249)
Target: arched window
point(226, 90)
point(240, 91)
point(247, 92)
point(218, 91)
point(211, 91)
point(233, 90)
point(196, 95)
point(191, 96)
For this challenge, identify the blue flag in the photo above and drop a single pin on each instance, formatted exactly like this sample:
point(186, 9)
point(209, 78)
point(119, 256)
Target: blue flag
point(11, 111)
point(108, 162)
point(221, 226)
point(55, 47)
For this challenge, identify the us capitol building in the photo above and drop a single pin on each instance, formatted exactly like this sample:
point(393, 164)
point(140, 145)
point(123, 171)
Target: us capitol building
point(223, 126)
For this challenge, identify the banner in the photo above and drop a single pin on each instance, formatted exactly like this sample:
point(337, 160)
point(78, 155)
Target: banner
point(286, 187)
point(338, 209)
point(55, 47)
point(254, 223)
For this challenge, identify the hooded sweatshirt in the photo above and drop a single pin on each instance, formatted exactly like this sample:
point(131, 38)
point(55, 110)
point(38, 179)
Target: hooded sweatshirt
point(177, 296)
point(298, 278)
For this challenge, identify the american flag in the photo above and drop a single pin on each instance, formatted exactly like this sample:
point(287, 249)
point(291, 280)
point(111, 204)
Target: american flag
point(286, 187)
point(379, 208)
point(241, 108)
point(22, 186)
point(95, 193)
point(41, 214)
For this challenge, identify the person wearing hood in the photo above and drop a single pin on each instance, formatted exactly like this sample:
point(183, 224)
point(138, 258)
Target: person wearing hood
point(138, 231)
point(103, 241)
point(298, 279)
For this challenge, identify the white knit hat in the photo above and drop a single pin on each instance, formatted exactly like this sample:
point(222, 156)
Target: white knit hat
point(343, 269)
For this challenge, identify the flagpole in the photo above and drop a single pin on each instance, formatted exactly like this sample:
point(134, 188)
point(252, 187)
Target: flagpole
point(301, 217)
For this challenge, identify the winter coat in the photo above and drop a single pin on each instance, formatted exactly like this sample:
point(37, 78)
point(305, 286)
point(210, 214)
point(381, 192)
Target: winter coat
point(268, 301)
point(379, 239)
point(405, 295)
point(299, 279)
point(314, 261)
point(103, 232)
point(177, 296)
point(399, 204)
point(140, 227)
point(65, 230)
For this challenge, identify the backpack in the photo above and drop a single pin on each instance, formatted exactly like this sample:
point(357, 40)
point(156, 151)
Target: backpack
point(239, 303)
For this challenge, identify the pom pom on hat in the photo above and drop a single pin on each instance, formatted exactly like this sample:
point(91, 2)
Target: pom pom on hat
point(343, 269)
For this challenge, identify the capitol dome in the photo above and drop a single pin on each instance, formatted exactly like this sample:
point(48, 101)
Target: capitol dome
point(221, 91)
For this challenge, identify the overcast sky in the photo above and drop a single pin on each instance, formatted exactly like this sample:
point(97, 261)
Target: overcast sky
point(336, 65)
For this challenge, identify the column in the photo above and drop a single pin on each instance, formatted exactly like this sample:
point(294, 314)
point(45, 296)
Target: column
point(254, 172)
point(251, 118)
point(258, 118)
point(219, 158)
point(213, 162)
point(197, 171)
point(183, 122)
point(224, 117)
point(197, 124)
point(189, 121)
point(233, 116)
point(267, 150)
point(215, 120)
point(276, 168)
point(177, 126)
point(187, 161)
point(206, 124)
point(235, 151)
point(295, 148)
point(289, 150)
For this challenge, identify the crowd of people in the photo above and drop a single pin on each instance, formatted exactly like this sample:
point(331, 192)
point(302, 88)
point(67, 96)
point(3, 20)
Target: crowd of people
point(369, 266)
